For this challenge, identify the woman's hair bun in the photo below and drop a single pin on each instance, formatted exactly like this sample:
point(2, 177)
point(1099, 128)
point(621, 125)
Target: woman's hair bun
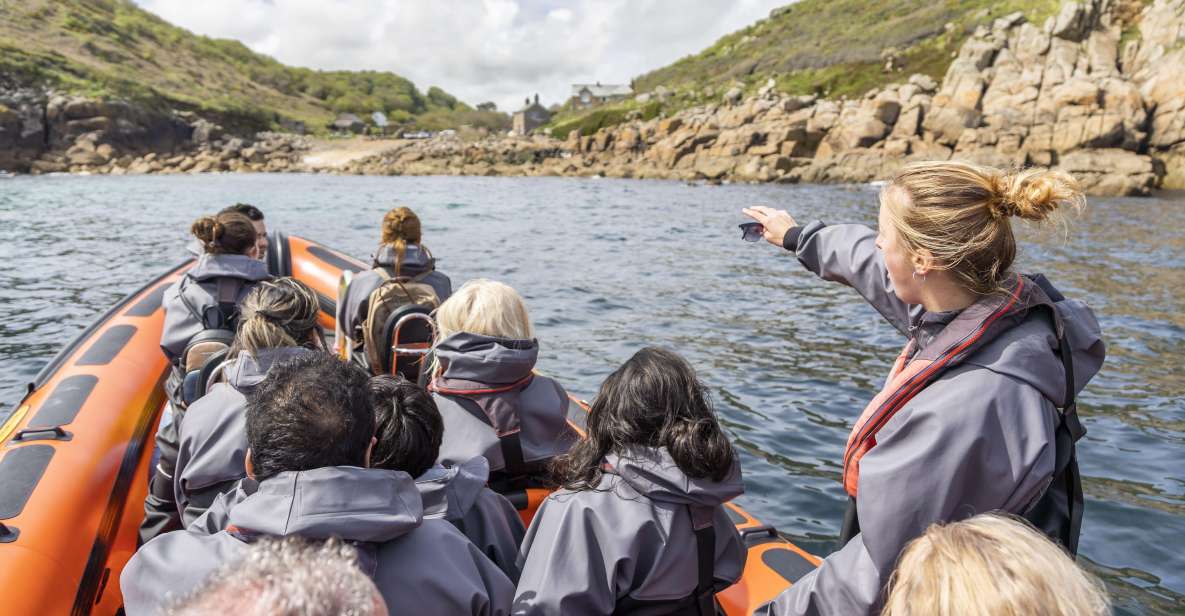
point(1034, 194)
point(206, 229)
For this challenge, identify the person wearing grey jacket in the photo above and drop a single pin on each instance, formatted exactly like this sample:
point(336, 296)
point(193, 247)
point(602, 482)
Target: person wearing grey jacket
point(401, 255)
point(310, 426)
point(278, 321)
point(978, 413)
point(639, 525)
point(409, 435)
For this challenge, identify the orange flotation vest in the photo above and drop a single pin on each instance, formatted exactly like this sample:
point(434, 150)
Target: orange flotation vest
point(911, 374)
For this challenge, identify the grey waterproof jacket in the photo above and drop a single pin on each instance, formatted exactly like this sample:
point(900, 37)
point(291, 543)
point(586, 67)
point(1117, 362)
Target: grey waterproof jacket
point(534, 412)
point(199, 287)
point(212, 441)
point(459, 494)
point(980, 438)
point(420, 566)
point(628, 546)
point(351, 312)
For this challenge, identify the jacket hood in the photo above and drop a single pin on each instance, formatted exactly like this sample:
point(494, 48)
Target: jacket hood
point(229, 266)
point(415, 259)
point(483, 359)
point(248, 370)
point(653, 473)
point(355, 504)
point(451, 492)
point(1028, 352)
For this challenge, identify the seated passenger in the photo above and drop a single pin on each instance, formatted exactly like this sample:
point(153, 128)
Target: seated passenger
point(404, 272)
point(641, 504)
point(255, 216)
point(990, 565)
point(492, 402)
point(409, 433)
point(201, 311)
point(287, 577)
point(278, 321)
point(207, 296)
point(310, 426)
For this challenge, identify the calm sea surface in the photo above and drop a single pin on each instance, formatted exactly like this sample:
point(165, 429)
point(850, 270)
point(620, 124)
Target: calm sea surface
point(610, 266)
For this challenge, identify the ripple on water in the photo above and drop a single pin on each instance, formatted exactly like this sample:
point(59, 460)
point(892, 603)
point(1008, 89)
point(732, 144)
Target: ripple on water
point(609, 266)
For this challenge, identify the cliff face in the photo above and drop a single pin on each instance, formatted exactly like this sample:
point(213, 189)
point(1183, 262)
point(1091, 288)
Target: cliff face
point(1065, 94)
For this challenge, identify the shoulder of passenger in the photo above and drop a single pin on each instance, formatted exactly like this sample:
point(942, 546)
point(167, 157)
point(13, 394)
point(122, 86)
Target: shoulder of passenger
point(971, 390)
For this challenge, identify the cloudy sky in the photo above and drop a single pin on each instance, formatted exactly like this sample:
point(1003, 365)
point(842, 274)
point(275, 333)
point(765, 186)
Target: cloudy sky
point(499, 50)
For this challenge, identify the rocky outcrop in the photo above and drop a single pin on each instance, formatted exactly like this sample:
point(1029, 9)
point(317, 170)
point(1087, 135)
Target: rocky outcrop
point(1072, 93)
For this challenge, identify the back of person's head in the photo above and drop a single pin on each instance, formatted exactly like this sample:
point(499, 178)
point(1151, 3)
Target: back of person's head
point(960, 214)
point(228, 233)
point(288, 576)
point(408, 426)
point(654, 400)
point(311, 412)
point(990, 565)
point(246, 209)
point(487, 308)
point(277, 313)
point(401, 227)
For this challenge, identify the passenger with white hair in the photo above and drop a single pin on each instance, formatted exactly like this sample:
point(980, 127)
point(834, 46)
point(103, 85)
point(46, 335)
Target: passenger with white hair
point(493, 402)
point(287, 576)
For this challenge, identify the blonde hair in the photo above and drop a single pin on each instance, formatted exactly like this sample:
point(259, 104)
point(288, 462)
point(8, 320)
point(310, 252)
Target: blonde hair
point(401, 227)
point(960, 214)
point(483, 307)
point(276, 313)
point(990, 565)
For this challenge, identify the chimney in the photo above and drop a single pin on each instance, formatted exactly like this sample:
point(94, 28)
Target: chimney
point(536, 98)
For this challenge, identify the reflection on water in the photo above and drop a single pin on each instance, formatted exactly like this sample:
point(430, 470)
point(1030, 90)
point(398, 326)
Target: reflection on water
point(609, 266)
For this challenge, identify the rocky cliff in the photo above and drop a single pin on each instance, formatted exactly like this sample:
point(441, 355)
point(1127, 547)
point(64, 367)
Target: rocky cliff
point(1097, 90)
point(1075, 93)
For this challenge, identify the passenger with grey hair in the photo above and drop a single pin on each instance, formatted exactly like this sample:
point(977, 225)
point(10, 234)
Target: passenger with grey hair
point(287, 576)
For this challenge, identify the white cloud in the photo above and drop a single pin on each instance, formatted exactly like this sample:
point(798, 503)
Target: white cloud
point(500, 50)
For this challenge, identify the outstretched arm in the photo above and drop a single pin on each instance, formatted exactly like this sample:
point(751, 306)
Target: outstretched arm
point(839, 253)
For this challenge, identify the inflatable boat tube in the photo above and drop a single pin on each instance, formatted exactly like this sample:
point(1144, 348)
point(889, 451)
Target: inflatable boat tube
point(75, 456)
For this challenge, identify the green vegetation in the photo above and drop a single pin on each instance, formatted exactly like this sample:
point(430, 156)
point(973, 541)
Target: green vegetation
point(112, 48)
point(591, 122)
point(832, 48)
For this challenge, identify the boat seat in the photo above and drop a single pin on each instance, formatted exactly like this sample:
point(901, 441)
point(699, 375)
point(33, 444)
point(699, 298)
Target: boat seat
point(410, 330)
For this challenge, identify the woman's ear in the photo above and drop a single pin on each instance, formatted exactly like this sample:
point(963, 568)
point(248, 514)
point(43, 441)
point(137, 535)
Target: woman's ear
point(249, 464)
point(923, 262)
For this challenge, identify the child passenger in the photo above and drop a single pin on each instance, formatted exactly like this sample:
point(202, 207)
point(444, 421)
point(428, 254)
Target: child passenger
point(641, 504)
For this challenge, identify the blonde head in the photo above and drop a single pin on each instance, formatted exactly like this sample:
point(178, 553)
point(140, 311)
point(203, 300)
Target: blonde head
point(483, 307)
point(487, 308)
point(401, 227)
point(990, 565)
point(959, 214)
point(276, 313)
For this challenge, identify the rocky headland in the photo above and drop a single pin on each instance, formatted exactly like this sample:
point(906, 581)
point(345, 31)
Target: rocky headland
point(1079, 92)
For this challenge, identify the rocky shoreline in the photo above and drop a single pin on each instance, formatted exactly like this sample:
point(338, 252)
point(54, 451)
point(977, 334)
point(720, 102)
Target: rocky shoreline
point(1071, 94)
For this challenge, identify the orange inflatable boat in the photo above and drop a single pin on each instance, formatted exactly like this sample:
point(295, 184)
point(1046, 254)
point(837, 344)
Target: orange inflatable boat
point(75, 457)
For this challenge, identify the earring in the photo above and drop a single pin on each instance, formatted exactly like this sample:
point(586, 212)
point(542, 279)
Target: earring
point(915, 277)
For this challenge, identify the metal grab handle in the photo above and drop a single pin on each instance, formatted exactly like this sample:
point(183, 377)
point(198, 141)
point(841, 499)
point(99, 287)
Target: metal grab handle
point(58, 433)
point(397, 350)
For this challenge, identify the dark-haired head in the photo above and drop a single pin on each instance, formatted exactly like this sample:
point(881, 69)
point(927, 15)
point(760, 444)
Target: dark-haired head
point(310, 412)
point(653, 400)
point(256, 217)
point(409, 427)
point(225, 234)
point(246, 209)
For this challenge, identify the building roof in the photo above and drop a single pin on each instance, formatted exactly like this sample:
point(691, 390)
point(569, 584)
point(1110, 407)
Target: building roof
point(346, 120)
point(602, 89)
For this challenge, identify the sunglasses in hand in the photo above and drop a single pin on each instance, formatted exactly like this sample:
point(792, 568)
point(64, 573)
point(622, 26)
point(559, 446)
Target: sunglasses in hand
point(751, 231)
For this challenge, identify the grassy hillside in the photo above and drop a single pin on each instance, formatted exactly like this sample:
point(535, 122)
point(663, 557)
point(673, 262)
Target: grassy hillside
point(114, 48)
point(832, 48)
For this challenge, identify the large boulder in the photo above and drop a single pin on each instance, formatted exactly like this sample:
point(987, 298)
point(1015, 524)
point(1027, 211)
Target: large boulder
point(22, 128)
point(1111, 172)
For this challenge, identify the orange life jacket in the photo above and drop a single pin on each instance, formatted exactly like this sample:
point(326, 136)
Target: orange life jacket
point(912, 374)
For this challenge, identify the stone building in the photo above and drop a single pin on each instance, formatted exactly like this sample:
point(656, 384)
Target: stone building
point(532, 116)
point(585, 95)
